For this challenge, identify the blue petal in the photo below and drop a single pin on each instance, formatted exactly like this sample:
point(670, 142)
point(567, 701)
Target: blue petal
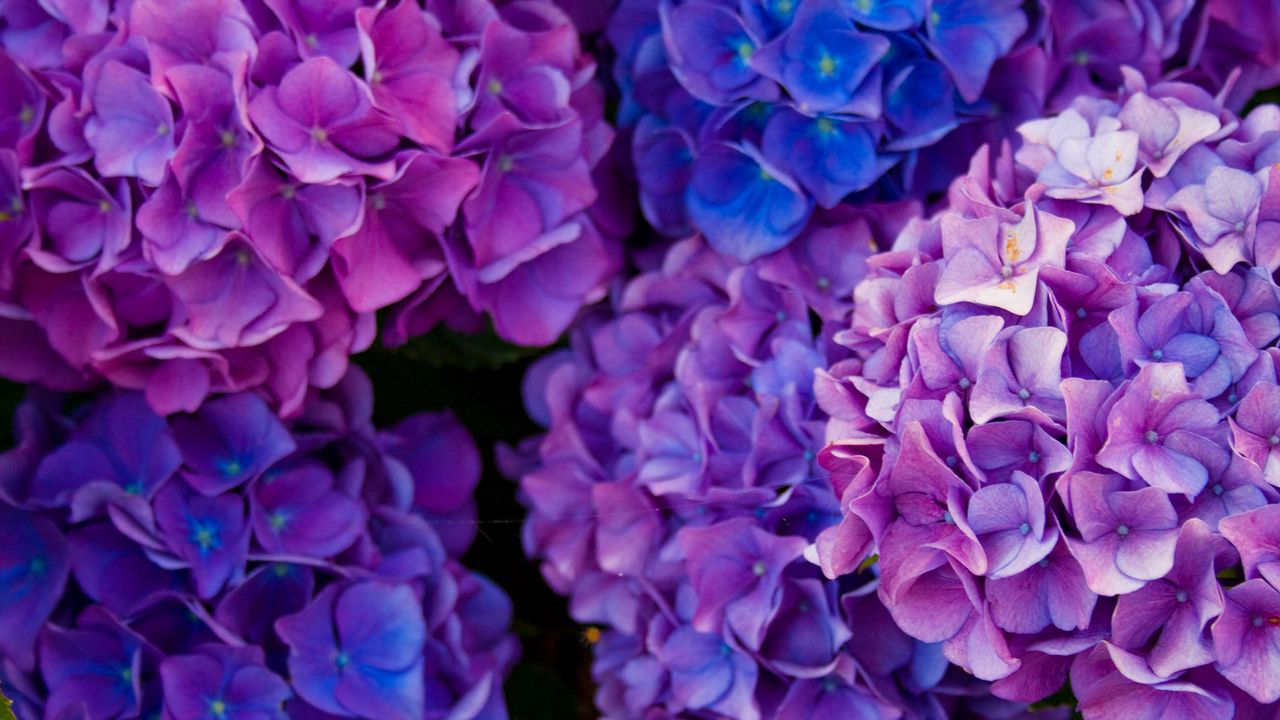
point(768, 18)
point(968, 36)
point(711, 52)
point(822, 61)
point(744, 207)
point(920, 105)
point(663, 160)
point(892, 15)
point(829, 156)
point(1196, 352)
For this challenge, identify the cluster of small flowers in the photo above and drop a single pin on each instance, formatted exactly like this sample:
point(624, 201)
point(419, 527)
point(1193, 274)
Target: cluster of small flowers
point(676, 489)
point(1060, 427)
point(745, 115)
point(214, 196)
point(224, 565)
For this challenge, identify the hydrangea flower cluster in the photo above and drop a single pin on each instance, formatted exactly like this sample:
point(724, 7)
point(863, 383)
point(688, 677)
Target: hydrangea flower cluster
point(676, 489)
point(745, 116)
point(215, 196)
point(221, 564)
point(1060, 427)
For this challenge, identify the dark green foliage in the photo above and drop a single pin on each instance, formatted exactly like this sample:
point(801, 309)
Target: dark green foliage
point(6, 707)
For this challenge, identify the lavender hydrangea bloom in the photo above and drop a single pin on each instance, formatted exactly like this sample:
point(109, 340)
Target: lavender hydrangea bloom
point(1095, 165)
point(994, 263)
point(1155, 418)
point(195, 188)
point(675, 491)
point(226, 564)
point(1124, 513)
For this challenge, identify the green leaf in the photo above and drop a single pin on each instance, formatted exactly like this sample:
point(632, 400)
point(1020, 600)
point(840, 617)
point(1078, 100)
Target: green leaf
point(1063, 698)
point(444, 348)
point(1263, 97)
point(6, 707)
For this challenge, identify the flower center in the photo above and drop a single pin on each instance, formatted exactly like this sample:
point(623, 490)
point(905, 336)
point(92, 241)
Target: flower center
point(745, 51)
point(1006, 270)
point(1274, 440)
point(278, 520)
point(230, 467)
point(342, 660)
point(758, 568)
point(218, 708)
point(204, 536)
point(1082, 313)
point(1180, 596)
point(951, 461)
point(1157, 354)
point(319, 134)
point(1122, 530)
point(228, 138)
point(1024, 528)
point(495, 86)
point(827, 65)
point(1218, 489)
point(1033, 456)
point(38, 565)
point(1151, 436)
point(1024, 393)
point(964, 383)
point(947, 518)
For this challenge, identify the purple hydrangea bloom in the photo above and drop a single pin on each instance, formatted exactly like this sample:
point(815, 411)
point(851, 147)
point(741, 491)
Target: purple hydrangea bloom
point(357, 650)
point(182, 188)
point(35, 571)
point(226, 564)
point(222, 681)
point(1078, 489)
